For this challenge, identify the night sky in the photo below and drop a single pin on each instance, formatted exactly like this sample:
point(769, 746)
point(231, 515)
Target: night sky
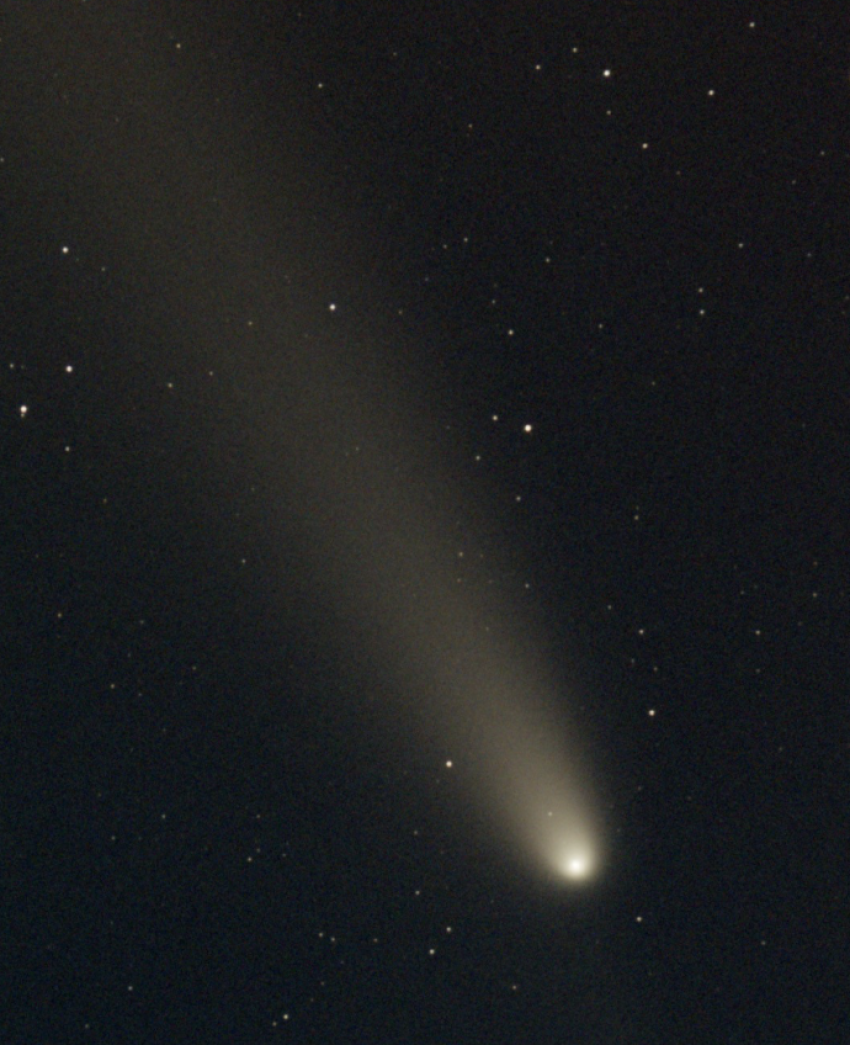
point(417, 415)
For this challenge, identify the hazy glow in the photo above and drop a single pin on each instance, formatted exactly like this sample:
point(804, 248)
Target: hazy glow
point(575, 862)
point(361, 494)
point(567, 845)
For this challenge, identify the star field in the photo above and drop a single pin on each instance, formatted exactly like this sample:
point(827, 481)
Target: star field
point(424, 552)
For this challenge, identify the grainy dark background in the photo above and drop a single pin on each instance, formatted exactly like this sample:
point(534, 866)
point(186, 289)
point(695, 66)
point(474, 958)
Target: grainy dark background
point(623, 225)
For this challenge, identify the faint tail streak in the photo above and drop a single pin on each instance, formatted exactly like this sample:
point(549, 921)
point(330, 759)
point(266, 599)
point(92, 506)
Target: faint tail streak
point(179, 194)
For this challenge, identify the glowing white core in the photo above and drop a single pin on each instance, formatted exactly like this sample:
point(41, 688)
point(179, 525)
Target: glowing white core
point(575, 860)
point(577, 866)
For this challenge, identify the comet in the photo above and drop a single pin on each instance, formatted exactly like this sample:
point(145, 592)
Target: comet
point(574, 858)
point(362, 485)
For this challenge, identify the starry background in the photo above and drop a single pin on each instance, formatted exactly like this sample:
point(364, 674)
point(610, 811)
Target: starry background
point(602, 248)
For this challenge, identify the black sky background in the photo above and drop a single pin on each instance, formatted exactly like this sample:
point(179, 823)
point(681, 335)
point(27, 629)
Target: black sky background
point(201, 835)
